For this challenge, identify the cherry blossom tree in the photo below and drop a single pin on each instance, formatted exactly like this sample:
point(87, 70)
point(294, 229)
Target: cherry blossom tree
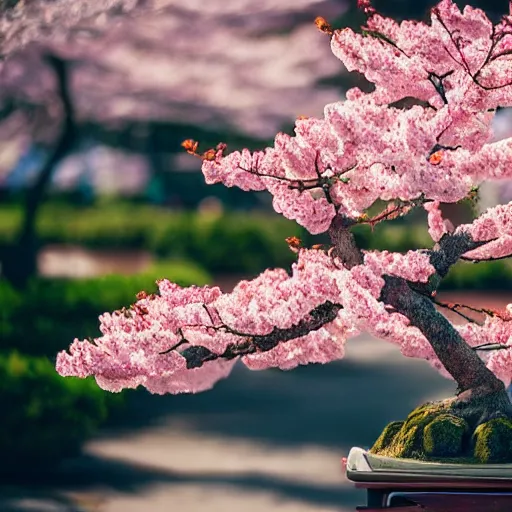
point(371, 149)
point(134, 73)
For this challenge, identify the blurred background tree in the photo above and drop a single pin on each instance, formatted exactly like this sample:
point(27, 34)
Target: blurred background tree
point(97, 100)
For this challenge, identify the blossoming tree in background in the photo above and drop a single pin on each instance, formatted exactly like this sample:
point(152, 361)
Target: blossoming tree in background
point(373, 148)
point(81, 82)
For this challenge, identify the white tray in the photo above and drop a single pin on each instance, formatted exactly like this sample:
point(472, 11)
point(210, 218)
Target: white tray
point(366, 467)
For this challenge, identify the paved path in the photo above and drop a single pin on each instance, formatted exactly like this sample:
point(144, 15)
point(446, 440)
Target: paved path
point(259, 442)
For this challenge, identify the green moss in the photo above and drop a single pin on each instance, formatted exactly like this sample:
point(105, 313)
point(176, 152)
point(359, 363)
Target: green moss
point(493, 441)
point(426, 410)
point(435, 432)
point(429, 431)
point(406, 443)
point(387, 436)
point(443, 436)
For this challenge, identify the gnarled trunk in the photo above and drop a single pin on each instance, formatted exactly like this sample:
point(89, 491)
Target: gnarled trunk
point(482, 395)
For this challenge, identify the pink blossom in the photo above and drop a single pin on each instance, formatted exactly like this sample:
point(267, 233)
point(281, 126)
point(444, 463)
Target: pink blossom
point(494, 226)
point(403, 67)
point(319, 346)
point(494, 330)
point(437, 226)
point(453, 72)
point(235, 170)
point(364, 150)
point(412, 266)
point(131, 351)
point(276, 300)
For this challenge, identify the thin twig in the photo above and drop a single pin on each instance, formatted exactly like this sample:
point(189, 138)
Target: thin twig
point(475, 260)
point(454, 308)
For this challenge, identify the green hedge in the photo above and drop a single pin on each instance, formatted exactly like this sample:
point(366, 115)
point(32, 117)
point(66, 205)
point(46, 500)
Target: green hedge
point(492, 275)
point(393, 236)
point(232, 242)
point(236, 242)
point(51, 312)
point(44, 416)
point(242, 242)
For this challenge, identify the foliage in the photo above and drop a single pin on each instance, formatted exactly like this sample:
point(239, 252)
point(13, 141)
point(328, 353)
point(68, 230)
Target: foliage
point(267, 30)
point(45, 417)
point(492, 275)
point(253, 241)
point(61, 309)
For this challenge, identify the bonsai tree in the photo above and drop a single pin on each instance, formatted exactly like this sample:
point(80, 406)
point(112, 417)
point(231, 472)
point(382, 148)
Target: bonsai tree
point(418, 139)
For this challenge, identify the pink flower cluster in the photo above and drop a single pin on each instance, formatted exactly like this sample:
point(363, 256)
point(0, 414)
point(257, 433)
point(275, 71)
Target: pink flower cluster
point(496, 329)
point(413, 266)
point(130, 352)
point(437, 226)
point(403, 60)
point(135, 346)
point(457, 71)
point(493, 226)
point(454, 73)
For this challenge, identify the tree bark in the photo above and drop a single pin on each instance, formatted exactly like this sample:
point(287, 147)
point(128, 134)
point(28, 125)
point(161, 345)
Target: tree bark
point(344, 243)
point(21, 260)
point(458, 358)
point(474, 379)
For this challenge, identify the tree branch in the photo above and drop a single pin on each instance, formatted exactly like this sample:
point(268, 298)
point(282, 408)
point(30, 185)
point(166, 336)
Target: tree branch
point(344, 243)
point(460, 360)
point(455, 308)
point(450, 249)
point(475, 260)
point(468, 370)
point(63, 145)
point(463, 364)
point(197, 355)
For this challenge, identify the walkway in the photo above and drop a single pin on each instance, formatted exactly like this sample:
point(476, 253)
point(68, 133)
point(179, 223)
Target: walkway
point(259, 442)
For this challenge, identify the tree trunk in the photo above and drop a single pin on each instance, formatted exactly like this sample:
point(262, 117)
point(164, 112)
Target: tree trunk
point(481, 394)
point(21, 259)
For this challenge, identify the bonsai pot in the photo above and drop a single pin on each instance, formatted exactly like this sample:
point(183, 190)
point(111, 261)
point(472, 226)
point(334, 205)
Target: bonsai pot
point(412, 485)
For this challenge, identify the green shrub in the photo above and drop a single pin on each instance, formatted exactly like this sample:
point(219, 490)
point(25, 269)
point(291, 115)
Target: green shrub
point(44, 416)
point(234, 242)
point(394, 236)
point(240, 243)
point(50, 313)
point(479, 276)
point(10, 219)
